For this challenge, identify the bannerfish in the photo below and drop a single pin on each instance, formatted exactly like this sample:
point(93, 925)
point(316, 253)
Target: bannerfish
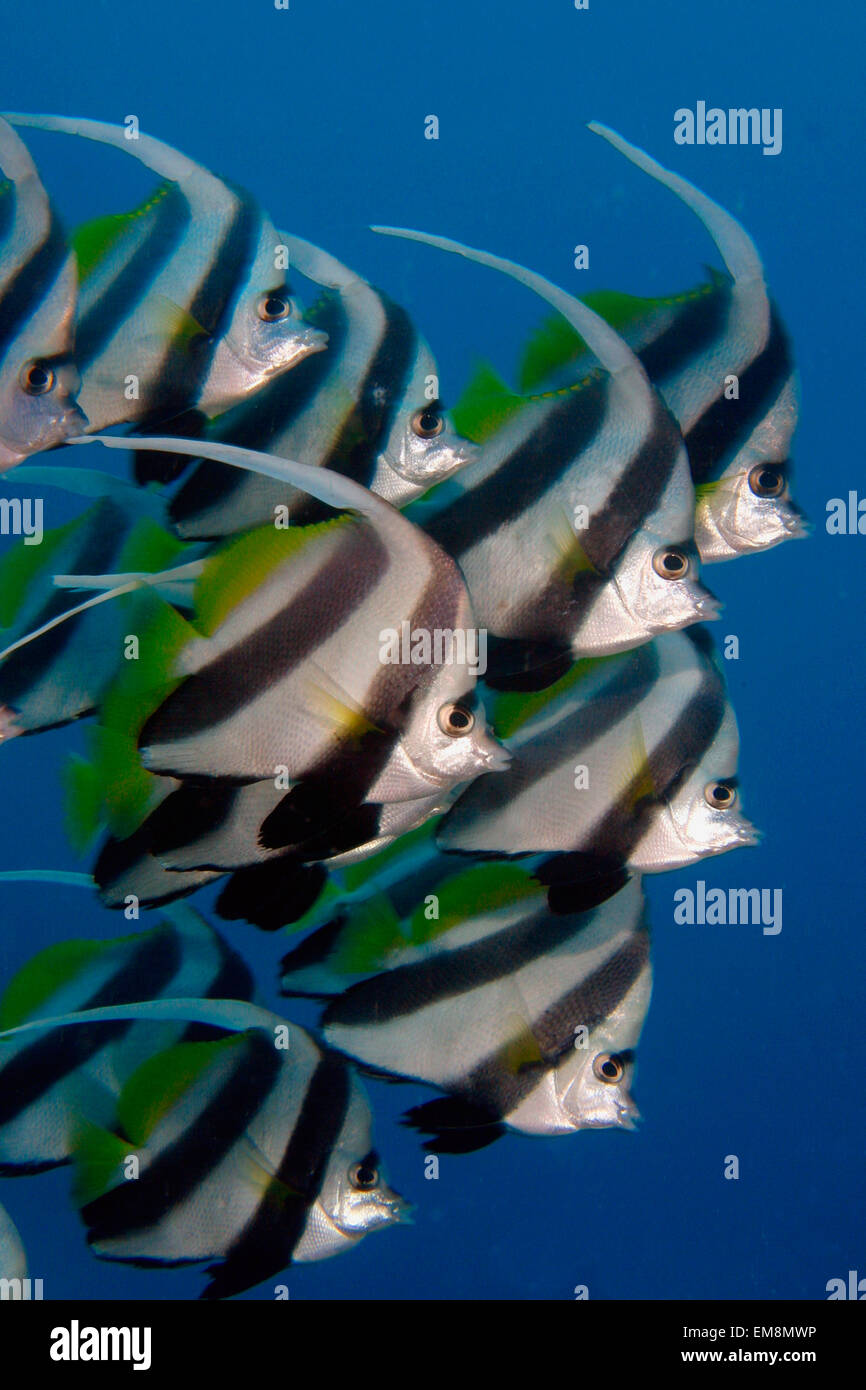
point(528, 1021)
point(362, 408)
point(38, 289)
point(181, 305)
point(303, 673)
point(202, 831)
point(574, 528)
point(48, 1081)
point(60, 675)
point(627, 762)
point(254, 1151)
point(13, 1258)
point(722, 359)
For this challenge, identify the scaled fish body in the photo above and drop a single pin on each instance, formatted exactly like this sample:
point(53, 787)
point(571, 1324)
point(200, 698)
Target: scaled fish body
point(628, 763)
point(527, 1020)
point(60, 676)
point(48, 1081)
point(738, 445)
point(362, 408)
point(574, 527)
point(183, 297)
point(38, 287)
point(302, 675)
point(13, 1258)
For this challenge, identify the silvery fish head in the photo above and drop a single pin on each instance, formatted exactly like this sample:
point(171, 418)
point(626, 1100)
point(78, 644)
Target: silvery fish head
point(266, 334)
point(702, 817)
point(355, 1198)
point(446, 738)
point(748, 508)
point(423, 447)
point(38, 381)
point(655, 587)
point(593, 1083)
point(37, 409)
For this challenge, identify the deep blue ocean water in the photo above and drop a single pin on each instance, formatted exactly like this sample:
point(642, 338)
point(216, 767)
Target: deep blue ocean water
point(754, 1044)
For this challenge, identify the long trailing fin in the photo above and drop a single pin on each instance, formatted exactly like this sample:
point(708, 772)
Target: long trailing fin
point(164, 579)
point(317, 265)
point(333, 489)
point(163, 159)
point(736, 247)
point(611, 350)
point(91, 482)
point(234, 1015)
point(67, 877)
point(70, 613)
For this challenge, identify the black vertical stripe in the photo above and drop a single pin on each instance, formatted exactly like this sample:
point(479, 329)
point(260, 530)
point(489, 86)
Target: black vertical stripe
point(565, 430)
point(726, 425)
point(169, 219)
point(177, 385)
point(27, 1076)
point(696, 325)
point(278, 646)
point(266, 1243)
point(32, 284)
point(182, 1166)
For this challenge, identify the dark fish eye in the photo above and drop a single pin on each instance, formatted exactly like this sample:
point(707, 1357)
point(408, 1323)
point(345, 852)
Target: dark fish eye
point(766, 482)
point(719, 796)
point(670, 563)
point(37, 379)
point(456, 720)
point(427, 422)
point(363, 1176)
point(608, 1068)
point(273, 307)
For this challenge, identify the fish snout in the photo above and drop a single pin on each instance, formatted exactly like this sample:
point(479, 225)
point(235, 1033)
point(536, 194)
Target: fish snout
point(707, 607)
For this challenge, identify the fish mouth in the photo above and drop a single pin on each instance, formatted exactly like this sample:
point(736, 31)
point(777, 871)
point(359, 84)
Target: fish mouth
point(707, 607)
point(497, 759)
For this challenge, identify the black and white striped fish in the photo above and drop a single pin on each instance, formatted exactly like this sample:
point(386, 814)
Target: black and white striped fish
point(202, 831)
point(526, 1019)
point(738, 443)
point(302, 675)
point(574, 528)
point(628, 762)
point(38, 288)
point(254, 1151)
point(60, 675)
point(182, 307)
point(49, 1080)
point(363, 408)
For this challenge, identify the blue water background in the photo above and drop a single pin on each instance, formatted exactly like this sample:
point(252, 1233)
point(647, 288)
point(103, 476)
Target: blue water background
point(754, 1045)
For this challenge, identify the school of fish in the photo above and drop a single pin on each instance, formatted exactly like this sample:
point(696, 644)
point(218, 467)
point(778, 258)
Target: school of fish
point(427, 691)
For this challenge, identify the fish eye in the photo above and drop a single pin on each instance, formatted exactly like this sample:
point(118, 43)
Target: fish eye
point(456, 720)
point(427, 422)
point(670, 563)
point(273, 307)
point(766, 482)
point(608, 1068)
point(720, 796)
point(363, 1176)
point(37, 379)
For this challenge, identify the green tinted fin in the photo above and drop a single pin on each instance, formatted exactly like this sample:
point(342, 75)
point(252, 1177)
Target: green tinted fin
point(510, 710)
point(485, 405)
point(148, 547)
point(371, 934)
point(94, 239)
point(159, 1083)
point(238, 568)
point(43, 975)
point(21, 565)
point(555, 344)
point(98, 1156)
point(483, 888)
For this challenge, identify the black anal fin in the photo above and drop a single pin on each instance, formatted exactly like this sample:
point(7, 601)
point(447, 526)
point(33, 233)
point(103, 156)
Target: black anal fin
point(271, 895)
point(188, 814)
point(165, 468)
point(517, 664)
point(457, 1125)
